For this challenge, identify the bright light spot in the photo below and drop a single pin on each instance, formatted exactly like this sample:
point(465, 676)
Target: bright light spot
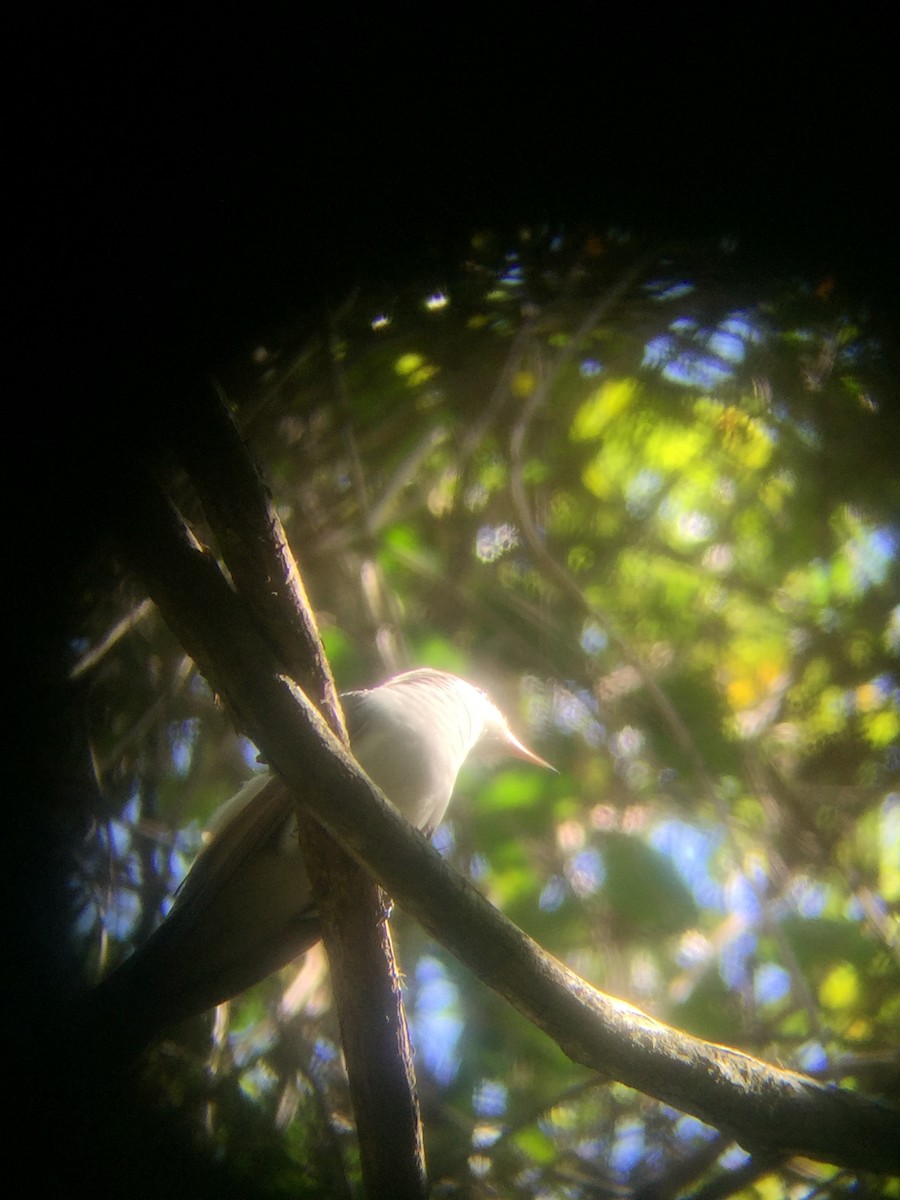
point(406, 364)
point(560, 1118)
point(325, 1050)
point(183, 737)
point(257, 1080)
point(444, 839)
point(442, 496)
point(694, 527)
point(570, 835)
point(436, 301)
point(641, 491)
point(742, 327)
point(695, 948)
point(493, 541)
point(812, 1057)
point(808, 896)
point(589, 1149)
point(573, 712)
point(593, 638)
point(479, 1165)
point(552, 895)
point(892, 632)
point(634, 818)
point(485, 1134)
point(120, 921)
point(476, 497)
point(870, 554)
point(742, 899)
point(250, 755)
point(585, 872)
point(755, 867)
point(691, 851)
point(663, 291)
point(771, 983)
point(435, 1020)
point(478, 867)
point(707, 361)
point(688, 1129)
point(734, 1158)
point(889, 839)
point(658, 350)
point(490, 1098)
point(645, 974)
point(872, 695)
point(868, 402)
point(840, 988)
point(120, 836)
point(629, 1147)
point(594, 735)
point(618, 683)
point(603, 816)
point(727, 346)
point(718, 558)
point(589, 368)
point(627, 743)
point(382, 321)
point(735, 958)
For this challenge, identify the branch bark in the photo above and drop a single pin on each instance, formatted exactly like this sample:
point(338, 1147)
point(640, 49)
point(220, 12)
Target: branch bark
point(765, 1109)
point(365, 980)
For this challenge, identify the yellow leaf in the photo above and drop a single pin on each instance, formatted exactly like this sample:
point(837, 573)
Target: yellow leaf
point(889, 853)
point(522, 384)
point(610, 399)
point(882, 728)
point(407, 363)
point(840, 987)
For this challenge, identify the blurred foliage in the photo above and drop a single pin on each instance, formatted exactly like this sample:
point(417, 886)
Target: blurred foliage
point(649, 499)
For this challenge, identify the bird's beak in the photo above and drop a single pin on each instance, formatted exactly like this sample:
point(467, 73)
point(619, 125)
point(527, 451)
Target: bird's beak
point(520, 750)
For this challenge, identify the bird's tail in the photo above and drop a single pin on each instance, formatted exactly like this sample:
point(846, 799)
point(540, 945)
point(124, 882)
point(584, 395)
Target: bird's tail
point(155, 990)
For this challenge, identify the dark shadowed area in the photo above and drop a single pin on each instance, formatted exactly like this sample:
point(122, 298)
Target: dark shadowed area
point(571, 363)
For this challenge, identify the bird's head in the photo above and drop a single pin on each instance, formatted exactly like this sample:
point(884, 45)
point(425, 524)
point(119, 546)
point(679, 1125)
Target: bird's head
point(471, 714)
point(498, 741)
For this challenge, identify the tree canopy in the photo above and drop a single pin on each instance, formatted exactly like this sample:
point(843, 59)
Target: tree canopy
point(648, 497)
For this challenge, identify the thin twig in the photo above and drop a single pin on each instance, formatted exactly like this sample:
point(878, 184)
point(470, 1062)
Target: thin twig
point(100, 649)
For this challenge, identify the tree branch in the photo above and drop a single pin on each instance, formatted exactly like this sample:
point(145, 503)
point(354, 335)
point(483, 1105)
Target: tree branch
point(765, 1109)
point(364, 975)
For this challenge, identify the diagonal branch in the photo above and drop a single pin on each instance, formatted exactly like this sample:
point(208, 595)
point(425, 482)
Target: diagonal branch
point(364, 976)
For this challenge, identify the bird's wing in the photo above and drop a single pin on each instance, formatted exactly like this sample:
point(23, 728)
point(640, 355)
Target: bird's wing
point(185, 966)
point(250, 827)
point(357, 713)
point(245, 826)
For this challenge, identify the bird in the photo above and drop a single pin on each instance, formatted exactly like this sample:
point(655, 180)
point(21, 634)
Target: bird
point(245, 909)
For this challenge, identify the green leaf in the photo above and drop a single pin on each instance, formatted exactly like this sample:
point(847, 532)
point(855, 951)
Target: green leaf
point(643, 889)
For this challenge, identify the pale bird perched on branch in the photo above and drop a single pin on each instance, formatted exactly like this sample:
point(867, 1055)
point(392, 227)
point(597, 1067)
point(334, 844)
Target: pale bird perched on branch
point(245, 908)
